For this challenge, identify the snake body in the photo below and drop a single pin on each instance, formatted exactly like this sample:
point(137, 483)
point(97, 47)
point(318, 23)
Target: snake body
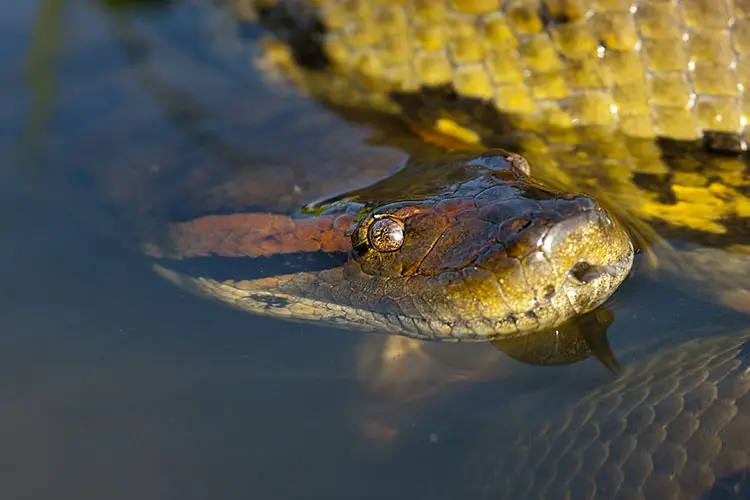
point(674, 425)
point(639, 103)
point(580, 88)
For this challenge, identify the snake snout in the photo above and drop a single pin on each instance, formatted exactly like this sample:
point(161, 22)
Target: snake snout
point(589, 251)
point(559, 258)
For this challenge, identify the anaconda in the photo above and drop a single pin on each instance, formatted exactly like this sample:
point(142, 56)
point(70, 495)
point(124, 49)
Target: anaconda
point(474, 251)
point(457, 73)
point(642, 446)
point(641, 104)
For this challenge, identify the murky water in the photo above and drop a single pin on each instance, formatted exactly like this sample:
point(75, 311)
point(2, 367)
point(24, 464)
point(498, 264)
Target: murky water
point(116, 384)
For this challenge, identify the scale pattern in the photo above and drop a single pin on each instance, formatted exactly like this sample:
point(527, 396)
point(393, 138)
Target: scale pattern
point(650, 68)
point(586, 90)
point(675, 425)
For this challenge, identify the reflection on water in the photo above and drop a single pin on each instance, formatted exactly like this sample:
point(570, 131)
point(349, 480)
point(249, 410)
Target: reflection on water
point(117, 384)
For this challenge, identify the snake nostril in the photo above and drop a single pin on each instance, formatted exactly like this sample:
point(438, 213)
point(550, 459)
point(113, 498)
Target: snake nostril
point(579, 272)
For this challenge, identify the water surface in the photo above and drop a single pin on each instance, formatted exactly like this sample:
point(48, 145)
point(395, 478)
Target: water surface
point(117, 384)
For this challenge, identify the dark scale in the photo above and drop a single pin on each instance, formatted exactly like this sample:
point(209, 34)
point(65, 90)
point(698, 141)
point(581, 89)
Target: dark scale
point(661, 184)
point(431, 103)
point(303, 33)
point(271, 301)
point(725, 143)
point(549, 18)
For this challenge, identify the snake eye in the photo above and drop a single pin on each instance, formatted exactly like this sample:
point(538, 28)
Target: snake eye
point(386, 234)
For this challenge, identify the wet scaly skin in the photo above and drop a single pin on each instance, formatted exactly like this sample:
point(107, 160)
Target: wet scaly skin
point(479, 251)
point(629, 102)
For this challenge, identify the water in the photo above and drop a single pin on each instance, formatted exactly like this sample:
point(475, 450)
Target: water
point(116, 384)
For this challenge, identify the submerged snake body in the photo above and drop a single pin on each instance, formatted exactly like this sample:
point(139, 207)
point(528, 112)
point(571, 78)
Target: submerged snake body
point(674, 425)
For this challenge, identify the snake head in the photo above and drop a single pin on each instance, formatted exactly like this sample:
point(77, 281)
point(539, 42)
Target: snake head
point(495, 253)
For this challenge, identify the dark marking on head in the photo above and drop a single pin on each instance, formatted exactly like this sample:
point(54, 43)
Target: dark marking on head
point(360, 249)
